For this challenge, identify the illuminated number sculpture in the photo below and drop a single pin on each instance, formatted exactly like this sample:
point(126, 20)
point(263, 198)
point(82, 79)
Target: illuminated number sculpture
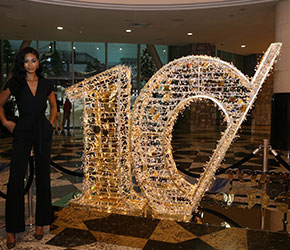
point(106, 123)
point(155, 111)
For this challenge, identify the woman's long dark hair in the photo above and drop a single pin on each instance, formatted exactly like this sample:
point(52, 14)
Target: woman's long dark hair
point(19, 72)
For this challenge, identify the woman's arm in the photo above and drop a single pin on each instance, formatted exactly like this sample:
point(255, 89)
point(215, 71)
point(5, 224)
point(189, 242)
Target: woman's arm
point(53, 107)
point(4, 96)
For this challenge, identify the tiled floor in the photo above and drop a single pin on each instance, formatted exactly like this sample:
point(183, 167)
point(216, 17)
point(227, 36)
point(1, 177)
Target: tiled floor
point(83, 229)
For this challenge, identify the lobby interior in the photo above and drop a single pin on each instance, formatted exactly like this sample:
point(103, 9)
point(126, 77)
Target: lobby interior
point(247, 207)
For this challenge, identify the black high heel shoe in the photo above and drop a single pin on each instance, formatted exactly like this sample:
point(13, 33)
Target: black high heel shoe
point(38, 236)
point(11, 245)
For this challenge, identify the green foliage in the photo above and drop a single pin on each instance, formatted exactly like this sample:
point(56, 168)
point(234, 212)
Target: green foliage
point(51, 64)
point(8, 56)
point(10, 108)
point(148, 67)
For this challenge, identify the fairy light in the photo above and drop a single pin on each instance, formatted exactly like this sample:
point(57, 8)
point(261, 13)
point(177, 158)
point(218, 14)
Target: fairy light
point(117, 142)
point(167, 94)
point(106, 103)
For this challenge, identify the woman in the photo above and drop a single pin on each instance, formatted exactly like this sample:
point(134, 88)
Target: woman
point(32, 131)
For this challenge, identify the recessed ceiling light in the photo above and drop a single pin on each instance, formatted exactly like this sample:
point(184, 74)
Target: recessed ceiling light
point(59, 27)
point(74, 47)
point(98, 48)
point(243, 46)
point(121, 49)
point(189, 33)
point(128, 31)
point(164, 50)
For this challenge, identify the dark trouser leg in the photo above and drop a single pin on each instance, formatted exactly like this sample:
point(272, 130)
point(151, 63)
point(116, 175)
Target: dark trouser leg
point(68, 121)
point(14, 210)
point(44, 212)
point(64, 120)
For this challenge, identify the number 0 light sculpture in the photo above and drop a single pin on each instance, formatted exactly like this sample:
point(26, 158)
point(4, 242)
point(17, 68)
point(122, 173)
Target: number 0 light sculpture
point(116, 142)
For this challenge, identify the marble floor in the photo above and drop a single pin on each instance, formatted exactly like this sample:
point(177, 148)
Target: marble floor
point(82, 229)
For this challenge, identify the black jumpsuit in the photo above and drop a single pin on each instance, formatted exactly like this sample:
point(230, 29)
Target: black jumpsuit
point(32, 130)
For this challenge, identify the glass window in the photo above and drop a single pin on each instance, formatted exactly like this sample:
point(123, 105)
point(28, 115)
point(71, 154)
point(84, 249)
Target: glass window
point(162, 51)
point(89, 59)
point(10, 48)
point(148, 67)
point(56, 60)
point(15, 44)
point(125, 54)
point(237, 60)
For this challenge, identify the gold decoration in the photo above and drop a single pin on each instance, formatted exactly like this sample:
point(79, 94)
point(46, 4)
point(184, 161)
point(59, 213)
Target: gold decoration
point(214, 80)
point(112, 152)
point(107, 184)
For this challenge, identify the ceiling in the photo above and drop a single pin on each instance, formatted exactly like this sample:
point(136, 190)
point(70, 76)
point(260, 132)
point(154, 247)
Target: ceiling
point(228, 24)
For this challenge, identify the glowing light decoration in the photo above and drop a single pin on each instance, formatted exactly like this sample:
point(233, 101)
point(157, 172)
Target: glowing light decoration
point(106, 122)
point(144, 144)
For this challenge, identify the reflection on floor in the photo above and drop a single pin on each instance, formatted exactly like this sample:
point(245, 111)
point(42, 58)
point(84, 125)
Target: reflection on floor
point(82, 229)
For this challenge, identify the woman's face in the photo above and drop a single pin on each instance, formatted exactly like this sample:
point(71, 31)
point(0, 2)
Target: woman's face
point(30, 63)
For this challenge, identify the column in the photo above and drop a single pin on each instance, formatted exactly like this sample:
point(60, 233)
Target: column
point(280, 117)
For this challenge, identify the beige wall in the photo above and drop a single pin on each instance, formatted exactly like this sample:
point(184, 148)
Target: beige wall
point(282, 68)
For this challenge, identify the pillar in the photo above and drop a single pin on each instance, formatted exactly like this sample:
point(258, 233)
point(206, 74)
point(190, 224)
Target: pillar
point(280, 115)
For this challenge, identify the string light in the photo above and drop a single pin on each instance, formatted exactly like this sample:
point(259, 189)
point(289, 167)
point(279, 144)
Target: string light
point(106, 122)
point(118, 144)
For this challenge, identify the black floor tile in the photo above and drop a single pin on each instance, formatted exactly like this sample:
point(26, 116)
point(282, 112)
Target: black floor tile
point(201, 158)
point(57, 151)
point(273, 162)
point(229, 160)
point(61, 191)
point(180, 145)
point(177, 157)
point(241, 154)
point(197, 169)
point(76, 164)
point(71, 237)
point(257, 161)
point(71, 178)
point(64, 157)
point(183, 165)
point(200, 230)
point(183, 152)
point(250, 167)
point(123, 225)
point(195, 244)
point(267, 240)
point(158, 245)
point(73, 145)
point(206, 151)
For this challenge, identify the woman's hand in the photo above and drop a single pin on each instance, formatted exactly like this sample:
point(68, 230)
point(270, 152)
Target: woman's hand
point(10, 125)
